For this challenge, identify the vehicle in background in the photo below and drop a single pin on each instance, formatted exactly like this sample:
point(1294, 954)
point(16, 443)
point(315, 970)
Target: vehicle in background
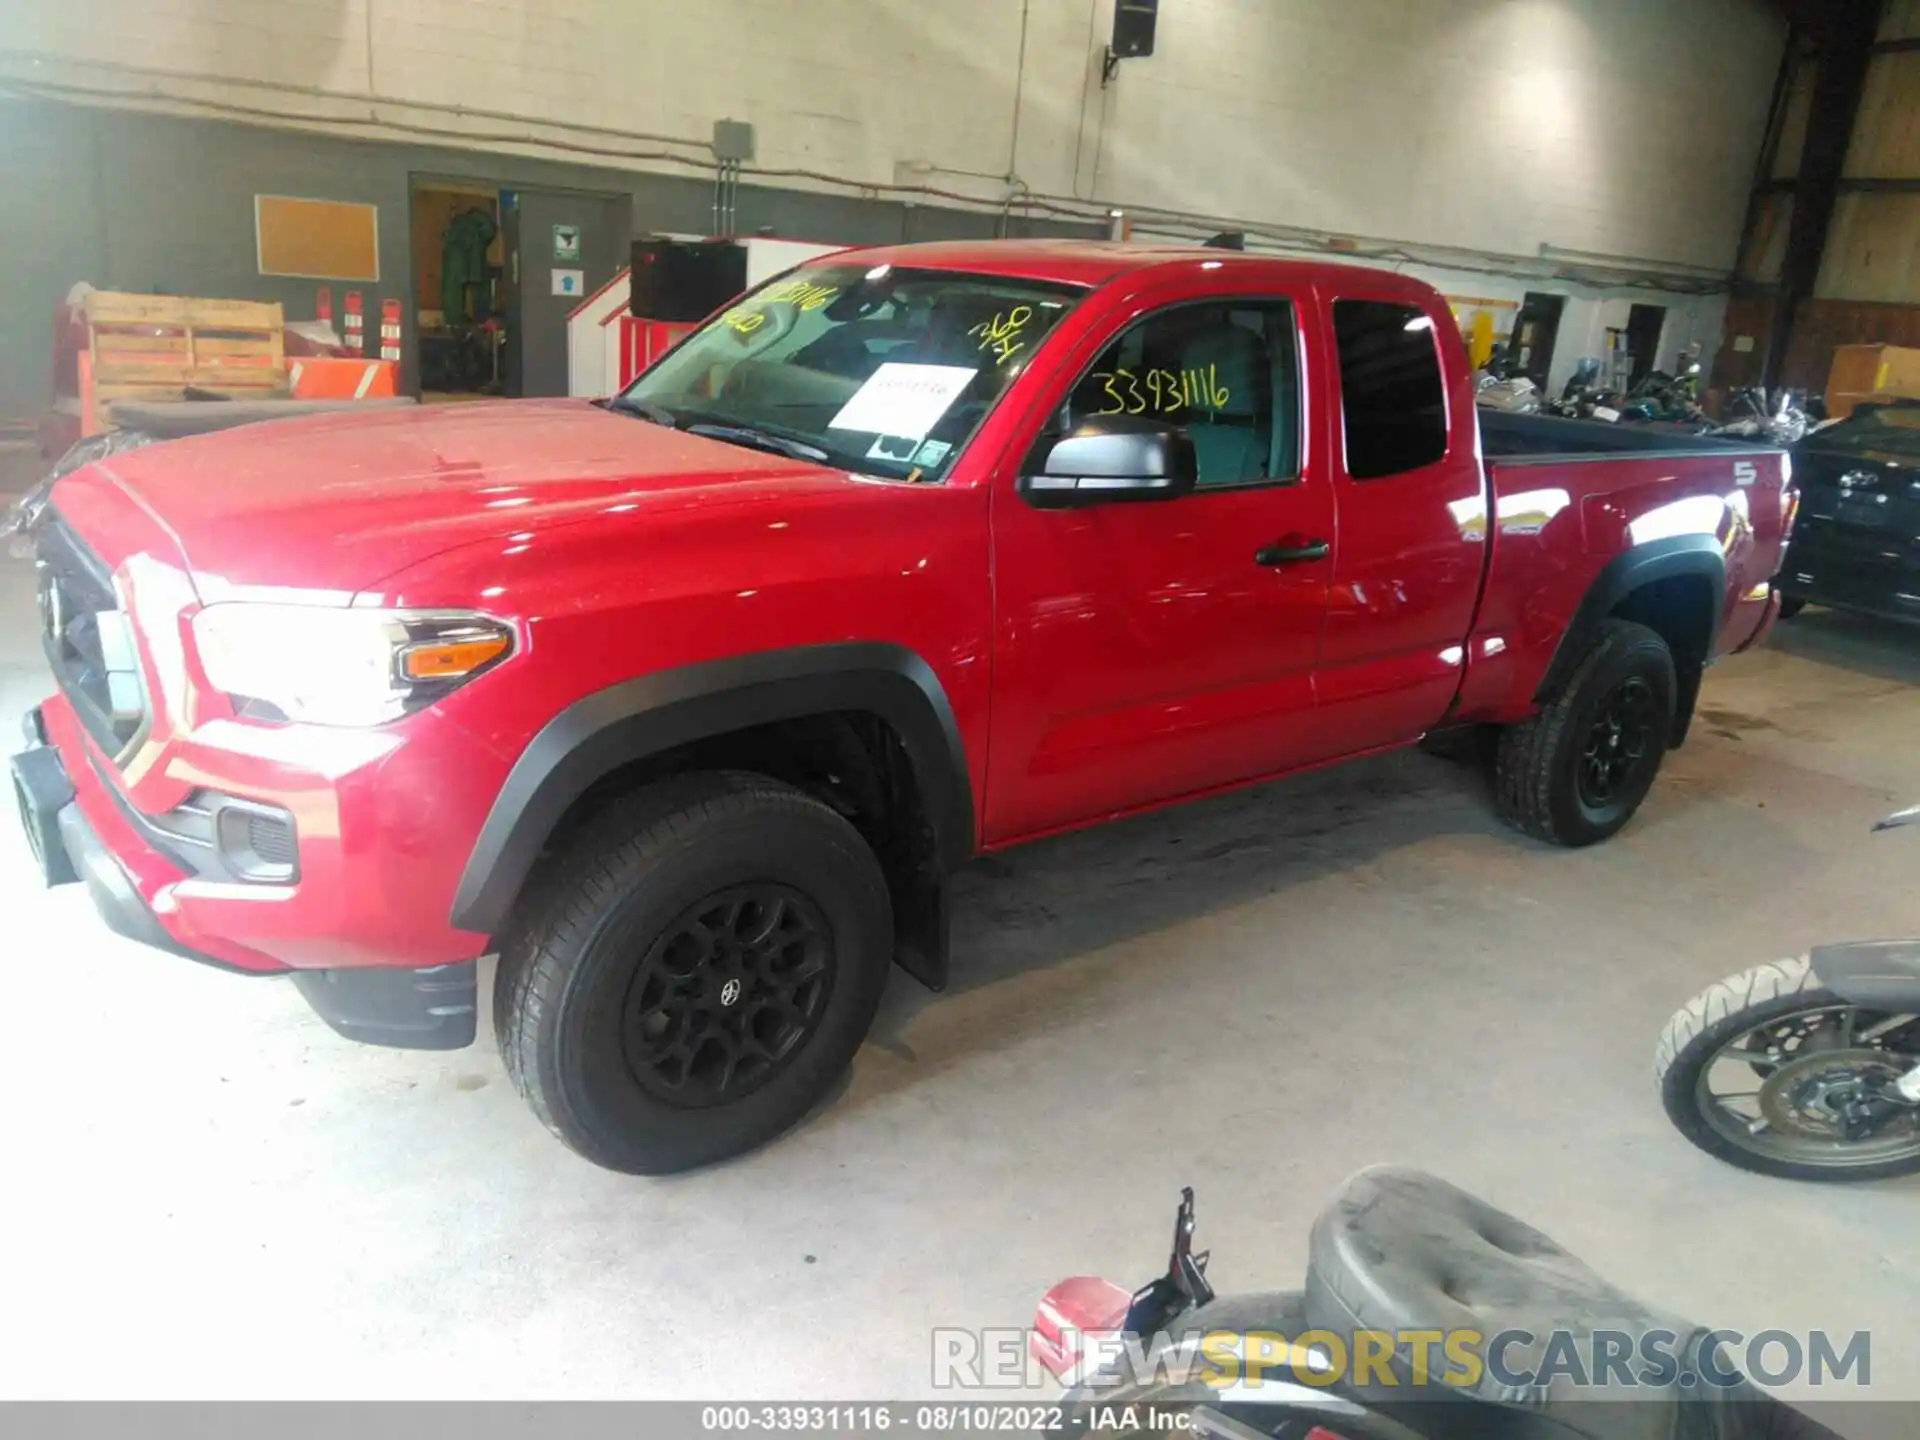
point(1425, 1314)
point(1857, 543)
point(1808, 1068)
point(688, 704)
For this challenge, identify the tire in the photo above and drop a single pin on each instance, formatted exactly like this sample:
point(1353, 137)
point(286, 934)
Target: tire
point(1719, 1015)
point(645, 911)
point(1539, 785)
point(1790, 606)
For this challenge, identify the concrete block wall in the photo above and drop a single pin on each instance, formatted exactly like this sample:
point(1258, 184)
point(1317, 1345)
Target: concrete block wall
point(1624, 127)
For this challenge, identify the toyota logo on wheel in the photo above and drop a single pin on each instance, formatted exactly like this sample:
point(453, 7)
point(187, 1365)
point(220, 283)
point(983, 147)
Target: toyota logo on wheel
point(730, 992)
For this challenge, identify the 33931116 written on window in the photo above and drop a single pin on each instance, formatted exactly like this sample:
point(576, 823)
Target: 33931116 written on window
point(1225, 373)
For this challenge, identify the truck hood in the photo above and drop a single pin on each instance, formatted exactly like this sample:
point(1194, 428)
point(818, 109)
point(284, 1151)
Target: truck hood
point(337, 503)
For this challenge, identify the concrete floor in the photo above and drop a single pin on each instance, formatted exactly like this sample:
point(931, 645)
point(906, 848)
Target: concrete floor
point(1253, 996)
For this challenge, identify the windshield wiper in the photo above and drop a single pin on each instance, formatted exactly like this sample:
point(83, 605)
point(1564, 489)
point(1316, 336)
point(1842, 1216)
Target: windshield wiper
point(645, 409)
point(760, 440)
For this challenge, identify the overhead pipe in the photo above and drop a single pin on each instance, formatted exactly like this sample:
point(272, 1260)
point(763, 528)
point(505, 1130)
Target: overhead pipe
point(1064, 208)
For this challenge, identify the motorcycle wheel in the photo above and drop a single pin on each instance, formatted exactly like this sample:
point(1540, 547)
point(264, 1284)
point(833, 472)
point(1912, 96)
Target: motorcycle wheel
point(1758, 1069)
point(1790, 606)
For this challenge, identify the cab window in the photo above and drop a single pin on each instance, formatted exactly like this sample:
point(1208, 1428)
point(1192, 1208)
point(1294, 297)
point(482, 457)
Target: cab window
point(1226, 373)
point(1392, 399)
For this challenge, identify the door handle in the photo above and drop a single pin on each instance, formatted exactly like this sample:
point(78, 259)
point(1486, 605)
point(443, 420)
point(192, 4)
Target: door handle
point(1281, 552)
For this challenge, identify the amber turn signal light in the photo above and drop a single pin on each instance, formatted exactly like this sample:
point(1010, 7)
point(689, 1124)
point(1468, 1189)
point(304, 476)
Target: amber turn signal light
point(451, 659)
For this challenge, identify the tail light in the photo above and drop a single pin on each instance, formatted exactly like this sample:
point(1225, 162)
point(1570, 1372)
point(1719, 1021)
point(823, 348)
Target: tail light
point(1070, 1314)
point(1789, 510)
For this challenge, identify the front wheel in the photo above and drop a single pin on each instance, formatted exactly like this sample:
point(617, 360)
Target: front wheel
point(1770, 1071)
point(702, 961)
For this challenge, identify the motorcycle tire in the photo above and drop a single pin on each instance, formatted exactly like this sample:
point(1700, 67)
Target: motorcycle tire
point(1699, 1035)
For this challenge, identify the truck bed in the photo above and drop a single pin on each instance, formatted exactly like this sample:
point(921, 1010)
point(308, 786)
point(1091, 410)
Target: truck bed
point(1507, 436)
point(1634, 503)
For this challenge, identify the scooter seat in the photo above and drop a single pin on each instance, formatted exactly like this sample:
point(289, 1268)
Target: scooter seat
point(1400, 1251)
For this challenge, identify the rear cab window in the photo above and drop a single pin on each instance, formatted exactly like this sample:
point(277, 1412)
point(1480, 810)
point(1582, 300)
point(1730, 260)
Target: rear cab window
point(1392, 395)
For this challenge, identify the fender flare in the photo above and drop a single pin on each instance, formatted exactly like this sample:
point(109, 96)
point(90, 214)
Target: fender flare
point(610, 728)
point(1627, 572)
point(1873, 973)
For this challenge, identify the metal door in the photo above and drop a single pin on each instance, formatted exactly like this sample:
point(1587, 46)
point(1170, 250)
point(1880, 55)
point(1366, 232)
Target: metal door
point(560, 248)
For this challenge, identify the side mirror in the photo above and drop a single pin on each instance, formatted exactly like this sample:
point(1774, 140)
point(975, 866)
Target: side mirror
point(1109, 458)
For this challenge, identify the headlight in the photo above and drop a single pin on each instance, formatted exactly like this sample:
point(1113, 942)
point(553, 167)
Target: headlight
point(342, 667)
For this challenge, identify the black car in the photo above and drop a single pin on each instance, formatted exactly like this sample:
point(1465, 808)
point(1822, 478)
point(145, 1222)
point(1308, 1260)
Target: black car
point(1856, 544)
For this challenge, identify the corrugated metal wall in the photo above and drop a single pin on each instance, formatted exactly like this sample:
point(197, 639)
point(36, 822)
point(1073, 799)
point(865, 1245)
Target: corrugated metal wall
point(1868, 287)
point(1873, 247)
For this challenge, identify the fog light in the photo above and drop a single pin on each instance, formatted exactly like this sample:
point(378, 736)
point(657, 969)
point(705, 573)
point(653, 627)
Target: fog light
point(257, 842)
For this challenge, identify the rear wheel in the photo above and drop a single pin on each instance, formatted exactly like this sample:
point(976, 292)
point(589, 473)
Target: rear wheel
point(1772, 1072)
point(1790, 606)
point(702, 962)
point(1576, 772)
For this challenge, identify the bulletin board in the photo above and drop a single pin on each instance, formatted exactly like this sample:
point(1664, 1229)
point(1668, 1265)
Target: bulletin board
point(316, 239)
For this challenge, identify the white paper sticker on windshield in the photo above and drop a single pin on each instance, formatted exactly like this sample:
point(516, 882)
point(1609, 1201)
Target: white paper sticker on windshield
point(905, 401)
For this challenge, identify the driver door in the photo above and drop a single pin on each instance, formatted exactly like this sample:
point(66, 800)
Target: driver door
point(1150, 650)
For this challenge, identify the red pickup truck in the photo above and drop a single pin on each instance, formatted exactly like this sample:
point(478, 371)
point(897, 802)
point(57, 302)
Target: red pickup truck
point(687, 703)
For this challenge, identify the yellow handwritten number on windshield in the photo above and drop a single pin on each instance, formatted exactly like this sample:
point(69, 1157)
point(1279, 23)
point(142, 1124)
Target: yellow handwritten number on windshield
point(1001, 334)
point(800, 295)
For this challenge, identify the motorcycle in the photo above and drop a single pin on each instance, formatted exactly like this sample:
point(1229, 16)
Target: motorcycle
point(1785, 418)
point(1585, 396)
point(1808, 1069)
point(1455, 1302)
point(1674, 400)
point(1659, 398)
point(1497, 387)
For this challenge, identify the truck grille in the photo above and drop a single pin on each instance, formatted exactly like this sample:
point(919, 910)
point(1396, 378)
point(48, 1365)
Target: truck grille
point(88, 638)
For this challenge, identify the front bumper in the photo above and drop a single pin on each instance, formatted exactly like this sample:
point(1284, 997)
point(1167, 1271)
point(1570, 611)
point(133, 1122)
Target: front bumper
point(431, 1008)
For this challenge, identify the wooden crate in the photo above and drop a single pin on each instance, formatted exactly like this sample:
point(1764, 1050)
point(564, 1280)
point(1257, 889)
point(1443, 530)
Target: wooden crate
point(155, 346)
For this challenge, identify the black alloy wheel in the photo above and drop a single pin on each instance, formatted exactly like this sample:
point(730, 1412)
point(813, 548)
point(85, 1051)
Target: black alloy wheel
point(693, 970)
point(1578, 770)
point(1619, 746)
point(727, 994)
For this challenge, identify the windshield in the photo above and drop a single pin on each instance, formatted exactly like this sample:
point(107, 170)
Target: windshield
point(881, 370)
point(1892, 428)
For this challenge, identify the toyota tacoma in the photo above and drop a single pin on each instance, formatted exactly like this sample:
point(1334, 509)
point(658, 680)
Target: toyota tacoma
point(687, 703)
